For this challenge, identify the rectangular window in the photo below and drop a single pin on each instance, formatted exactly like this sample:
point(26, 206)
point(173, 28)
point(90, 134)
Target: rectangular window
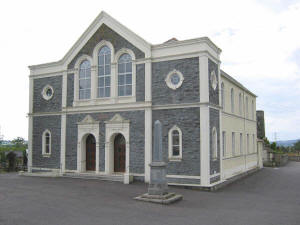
point(240, 104)
point(241, 144)
point(224, 143)
point(233, 144)
point(248, 149)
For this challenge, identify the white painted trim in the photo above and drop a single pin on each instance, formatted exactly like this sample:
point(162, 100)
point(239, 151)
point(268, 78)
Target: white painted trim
point(204, 146)
point(64, 89)
point(44, 154)
point(203, 79)
point(148, 143)
point(113, 127)
point(30, 133)
point(63, 143)
point(87, 126)
point(170, 144)
point(183, 176)
point(168, 79)
point(44, 92)
point(148, 81)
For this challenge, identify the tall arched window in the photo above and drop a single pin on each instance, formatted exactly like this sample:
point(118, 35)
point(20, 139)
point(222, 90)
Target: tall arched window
point(240, 103)
point(175, 143)
point(232, 100)
point(223, 96)
point(125, 75)
point(104, 71)
point(85, 80)
point(214, 144)
point(46, 143)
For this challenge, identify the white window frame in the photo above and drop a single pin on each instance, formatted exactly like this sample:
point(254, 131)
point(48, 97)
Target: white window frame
point(169, 82)
point(44, 143)
point(240, 104)
point(248, 147)
point(241, 144)
point(114, 98)
point(224, 143)
point(233, 144)
point(170, 143)
point(214, 136)
point(112, 69)
point(44, 92)
point(76, 79)
point(132, 97)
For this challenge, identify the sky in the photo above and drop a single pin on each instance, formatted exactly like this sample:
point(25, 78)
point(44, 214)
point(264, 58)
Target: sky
point(260, 42)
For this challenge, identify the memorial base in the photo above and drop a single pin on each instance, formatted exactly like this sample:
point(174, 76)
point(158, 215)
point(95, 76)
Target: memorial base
point(160, 199)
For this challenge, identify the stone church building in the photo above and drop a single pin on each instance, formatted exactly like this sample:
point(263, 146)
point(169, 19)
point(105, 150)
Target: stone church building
point(92, 112)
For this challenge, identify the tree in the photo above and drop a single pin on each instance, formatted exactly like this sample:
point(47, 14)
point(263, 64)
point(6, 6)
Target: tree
point(19, 142)
point(296, 146)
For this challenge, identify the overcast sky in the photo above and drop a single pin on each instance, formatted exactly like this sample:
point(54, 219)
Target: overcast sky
point(260, 42)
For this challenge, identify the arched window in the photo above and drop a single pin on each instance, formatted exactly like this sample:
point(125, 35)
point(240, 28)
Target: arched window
point(247, 107)
point(232, 100)
point(175, 143)
point(46, 143)
point(104, 71)
point(214, 144)
point(223, 96)
point(125, 75)
point(85, 80)
point(240, 103)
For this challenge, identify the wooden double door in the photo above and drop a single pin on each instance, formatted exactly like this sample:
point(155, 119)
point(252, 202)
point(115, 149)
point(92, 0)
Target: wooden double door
point(90, 153)
point(119, 153)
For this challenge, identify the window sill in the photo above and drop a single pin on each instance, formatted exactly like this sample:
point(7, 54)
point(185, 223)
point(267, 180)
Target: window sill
point(104, 101)
point(45, 155)
point(175, 159)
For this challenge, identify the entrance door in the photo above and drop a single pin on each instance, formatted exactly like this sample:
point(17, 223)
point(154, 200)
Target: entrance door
point(119, 153)
point(90, 153)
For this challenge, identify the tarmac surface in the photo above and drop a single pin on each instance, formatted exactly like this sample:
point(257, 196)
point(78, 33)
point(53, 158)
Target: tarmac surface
point(270, 196)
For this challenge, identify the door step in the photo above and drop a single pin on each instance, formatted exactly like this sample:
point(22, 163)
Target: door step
point(92, 176)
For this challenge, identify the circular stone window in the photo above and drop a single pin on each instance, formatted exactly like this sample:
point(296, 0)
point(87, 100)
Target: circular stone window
point(47, 92)
point(174, 79)
point(214, 81)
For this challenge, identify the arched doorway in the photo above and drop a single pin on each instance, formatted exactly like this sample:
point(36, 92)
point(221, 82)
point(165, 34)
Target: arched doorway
point(90, 153)
point(119, 153)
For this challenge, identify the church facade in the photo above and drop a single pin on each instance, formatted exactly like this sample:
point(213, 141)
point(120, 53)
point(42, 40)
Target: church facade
point(93, 112)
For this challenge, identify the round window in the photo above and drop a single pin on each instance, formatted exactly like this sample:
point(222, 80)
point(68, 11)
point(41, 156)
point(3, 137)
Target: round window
point(47, 92)
point(175, 79)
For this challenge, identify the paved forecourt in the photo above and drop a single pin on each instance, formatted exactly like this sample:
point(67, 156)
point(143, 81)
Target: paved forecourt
point(270, 196)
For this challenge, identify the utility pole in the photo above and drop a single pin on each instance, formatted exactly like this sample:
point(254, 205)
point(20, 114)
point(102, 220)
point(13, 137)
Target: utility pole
point(1, 136)
point(275, 136)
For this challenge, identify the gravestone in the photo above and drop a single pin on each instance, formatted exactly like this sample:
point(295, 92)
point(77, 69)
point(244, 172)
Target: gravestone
point(158, 186)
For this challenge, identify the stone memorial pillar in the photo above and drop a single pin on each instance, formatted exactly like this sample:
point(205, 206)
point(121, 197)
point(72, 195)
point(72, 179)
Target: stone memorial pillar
point(158, 186)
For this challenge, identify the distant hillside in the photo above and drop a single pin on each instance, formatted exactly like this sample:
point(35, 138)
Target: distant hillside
point(286, 143)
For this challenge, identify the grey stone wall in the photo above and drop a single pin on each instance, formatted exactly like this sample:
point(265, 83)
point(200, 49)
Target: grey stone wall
point(214, 179)
point(188, 120)
point(137, 138)
point(140, 82)
point(187, 93)
point(39, 103)
point(105, 33)
point(40, 124)
point(183, 180)
point(260, 118)
point(214, 121)
point(70, 90)
point(213, 94)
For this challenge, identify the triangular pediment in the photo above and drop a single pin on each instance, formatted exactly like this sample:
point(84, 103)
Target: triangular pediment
point(88, 120)
point(117, 119)
point(104, 19)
